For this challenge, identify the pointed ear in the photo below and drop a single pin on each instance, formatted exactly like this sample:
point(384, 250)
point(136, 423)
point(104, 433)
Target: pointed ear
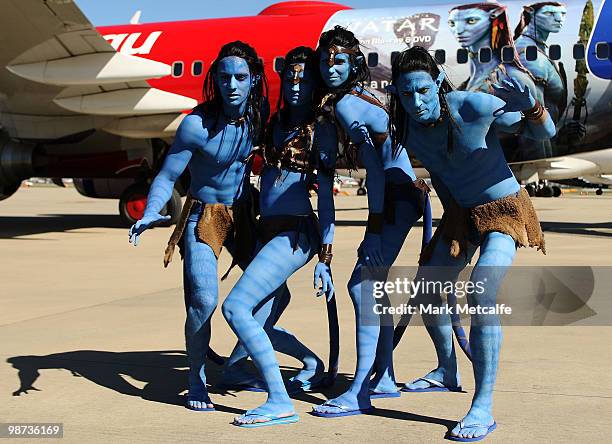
point(391, 89)
point(440, 79)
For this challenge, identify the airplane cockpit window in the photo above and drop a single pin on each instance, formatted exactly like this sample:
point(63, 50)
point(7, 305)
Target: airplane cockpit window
point(507, 54)
point(554, 52)
point(440, 56)
point(578, 51)
point(462, 55)
point(531, 53)
point(485, 55)
point(372, 59)
point(177, 69)
point(394, 55)
point(602, 50)
point(279, 63)
point(197, 68)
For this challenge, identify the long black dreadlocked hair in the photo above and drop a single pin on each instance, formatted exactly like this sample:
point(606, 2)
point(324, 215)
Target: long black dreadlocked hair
point(416, 58)
point(257, 100)
point(359, 75)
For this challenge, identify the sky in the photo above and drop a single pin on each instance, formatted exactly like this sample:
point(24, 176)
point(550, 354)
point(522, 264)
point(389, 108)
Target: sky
point(116, 12)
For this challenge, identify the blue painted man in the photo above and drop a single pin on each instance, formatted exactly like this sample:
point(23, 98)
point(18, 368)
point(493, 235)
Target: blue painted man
point(213, 141)
point(289, 236)
point(455, 135)
point(394, 204)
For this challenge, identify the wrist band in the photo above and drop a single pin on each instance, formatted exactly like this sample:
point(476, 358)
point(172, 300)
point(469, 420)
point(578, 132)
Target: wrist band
point(325, 254)
point(536, 113)
point(375, 223)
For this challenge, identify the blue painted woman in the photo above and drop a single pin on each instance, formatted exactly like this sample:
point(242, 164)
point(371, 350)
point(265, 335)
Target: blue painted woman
point(213, 141)
point(455, 134)
point(394, 204)
point(289, 232)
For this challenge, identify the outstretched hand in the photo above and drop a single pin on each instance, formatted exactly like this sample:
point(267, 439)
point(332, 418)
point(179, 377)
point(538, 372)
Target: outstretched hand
point(517, 96)
point(148, 221)
point(371, 250)
point(323, 275)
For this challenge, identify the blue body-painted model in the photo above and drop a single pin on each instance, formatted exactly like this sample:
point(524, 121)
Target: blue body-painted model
point(213, 142)
point(364, 121)
point(455, 135)
point(290, 237)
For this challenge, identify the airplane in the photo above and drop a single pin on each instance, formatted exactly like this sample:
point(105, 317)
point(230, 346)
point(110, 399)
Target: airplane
point(101, 105)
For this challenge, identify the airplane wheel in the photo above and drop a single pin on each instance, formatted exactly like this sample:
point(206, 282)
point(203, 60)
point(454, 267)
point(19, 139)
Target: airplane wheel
point(546, 191)
point(7, 191)
point(133, 202)
point(531, 190)
point(556, 191)
point(599, 191)
point(361, 191)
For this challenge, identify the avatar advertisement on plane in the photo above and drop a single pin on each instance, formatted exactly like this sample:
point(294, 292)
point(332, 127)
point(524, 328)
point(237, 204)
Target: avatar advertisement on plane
point(546, 45)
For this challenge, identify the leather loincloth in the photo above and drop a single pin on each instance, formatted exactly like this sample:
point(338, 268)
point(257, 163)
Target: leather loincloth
point(216, 224)
point(513, 215)
point(271, 226)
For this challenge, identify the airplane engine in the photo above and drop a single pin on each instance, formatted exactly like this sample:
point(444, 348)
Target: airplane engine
point(15, 165)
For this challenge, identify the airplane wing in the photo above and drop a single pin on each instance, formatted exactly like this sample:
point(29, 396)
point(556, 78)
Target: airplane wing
point(62, 77)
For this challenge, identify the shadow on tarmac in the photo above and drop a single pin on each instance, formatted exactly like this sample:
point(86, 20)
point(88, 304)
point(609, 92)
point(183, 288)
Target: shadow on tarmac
point(15, 226)
point(164, 374)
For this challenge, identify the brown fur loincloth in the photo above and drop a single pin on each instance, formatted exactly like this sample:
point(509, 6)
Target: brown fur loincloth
point(513, 215)
point(216, 224)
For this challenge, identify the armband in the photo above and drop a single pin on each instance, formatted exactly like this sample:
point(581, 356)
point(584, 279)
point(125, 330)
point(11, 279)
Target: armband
point(325, 254)
point(537, 114)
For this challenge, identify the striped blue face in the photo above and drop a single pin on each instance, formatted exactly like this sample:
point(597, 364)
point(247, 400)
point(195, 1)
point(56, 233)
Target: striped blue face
point(599, 53)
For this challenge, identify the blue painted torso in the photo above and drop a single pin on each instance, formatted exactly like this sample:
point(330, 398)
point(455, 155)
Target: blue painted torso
point(284, 191)
point(217, 166)
point(476, 171)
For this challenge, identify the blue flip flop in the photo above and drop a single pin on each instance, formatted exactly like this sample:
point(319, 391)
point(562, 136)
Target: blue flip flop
point(272, 420)
point(346, 411)
point(472, 426)
point(380, 395)
point(434, 386)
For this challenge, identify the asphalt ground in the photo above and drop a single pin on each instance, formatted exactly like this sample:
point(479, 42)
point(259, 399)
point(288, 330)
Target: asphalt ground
point(91, 334)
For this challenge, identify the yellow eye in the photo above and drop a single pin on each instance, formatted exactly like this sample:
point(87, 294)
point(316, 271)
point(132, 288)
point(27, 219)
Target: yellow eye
point(451, 23)
point(423, 90)
point(472, 21)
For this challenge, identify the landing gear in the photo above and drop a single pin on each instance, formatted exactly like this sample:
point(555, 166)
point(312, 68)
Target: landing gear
point(543, 189)
point(599, 191)
point(8, 189)
point(134, 200)
point(361, 191)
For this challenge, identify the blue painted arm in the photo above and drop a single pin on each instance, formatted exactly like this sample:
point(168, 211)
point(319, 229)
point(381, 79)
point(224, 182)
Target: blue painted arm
point(188, 138)
point(510, 99)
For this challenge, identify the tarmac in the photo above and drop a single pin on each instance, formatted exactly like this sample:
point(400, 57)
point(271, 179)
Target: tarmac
point(91, 334)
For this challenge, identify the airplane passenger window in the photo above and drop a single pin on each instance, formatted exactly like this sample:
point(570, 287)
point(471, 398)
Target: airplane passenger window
point(279, 63)
point(462, 55)
point(372, 59)
point(196, 68)
point(554, 52)
point(531, 53)
point(394, 55)
point(484, 55)
point(507, 54)
point(177, 69)
point(440, 56)
point(578, 51)
point(602, 50)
